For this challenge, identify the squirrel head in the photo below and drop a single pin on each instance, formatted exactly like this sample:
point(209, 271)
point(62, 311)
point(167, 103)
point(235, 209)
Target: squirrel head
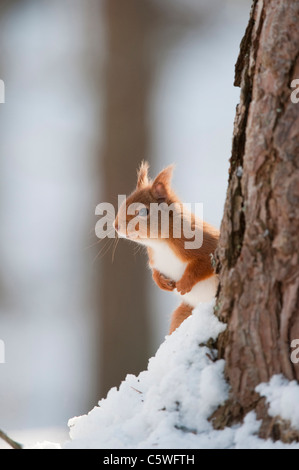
point(135, 219)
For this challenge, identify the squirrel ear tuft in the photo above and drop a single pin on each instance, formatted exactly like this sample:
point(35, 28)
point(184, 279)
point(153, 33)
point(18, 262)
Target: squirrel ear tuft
point(161, 184)
point(142, 175)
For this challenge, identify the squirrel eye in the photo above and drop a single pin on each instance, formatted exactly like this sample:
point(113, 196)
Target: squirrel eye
point(143, 212)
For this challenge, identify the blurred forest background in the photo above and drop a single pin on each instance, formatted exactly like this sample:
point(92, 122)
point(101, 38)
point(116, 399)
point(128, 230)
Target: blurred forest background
point(92, 88)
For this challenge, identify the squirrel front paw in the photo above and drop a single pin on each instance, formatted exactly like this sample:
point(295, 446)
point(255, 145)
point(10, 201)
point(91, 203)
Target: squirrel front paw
point(184, 285)
point(163, 282)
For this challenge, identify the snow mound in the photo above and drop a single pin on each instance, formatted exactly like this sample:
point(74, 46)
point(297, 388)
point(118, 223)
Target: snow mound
point(168, 406)
point(282, 397)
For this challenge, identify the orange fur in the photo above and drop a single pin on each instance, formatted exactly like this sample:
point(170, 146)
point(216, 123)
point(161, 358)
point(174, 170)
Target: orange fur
point(179, 315)
point(198, 261)
point(162, 281)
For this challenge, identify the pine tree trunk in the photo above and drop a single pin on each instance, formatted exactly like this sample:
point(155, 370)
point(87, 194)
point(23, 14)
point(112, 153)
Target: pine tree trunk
point(258, 253)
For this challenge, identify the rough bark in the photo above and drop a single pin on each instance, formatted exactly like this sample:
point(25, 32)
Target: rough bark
point(258, 253)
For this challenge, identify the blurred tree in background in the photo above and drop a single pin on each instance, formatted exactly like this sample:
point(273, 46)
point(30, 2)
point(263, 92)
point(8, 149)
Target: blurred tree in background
point(123, 292)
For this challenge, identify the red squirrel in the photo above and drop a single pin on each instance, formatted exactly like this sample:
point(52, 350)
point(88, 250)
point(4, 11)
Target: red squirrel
point(186, 271)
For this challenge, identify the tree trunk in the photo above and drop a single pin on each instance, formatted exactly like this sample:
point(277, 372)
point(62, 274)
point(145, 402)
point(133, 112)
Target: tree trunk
point(258, 252)
point(123, 293)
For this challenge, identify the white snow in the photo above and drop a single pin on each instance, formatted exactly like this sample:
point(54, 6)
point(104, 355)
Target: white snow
point(168, 405)
point(52, 437)
point(282, 396)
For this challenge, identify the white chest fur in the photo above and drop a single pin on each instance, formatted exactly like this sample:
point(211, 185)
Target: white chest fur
point(167, 263)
